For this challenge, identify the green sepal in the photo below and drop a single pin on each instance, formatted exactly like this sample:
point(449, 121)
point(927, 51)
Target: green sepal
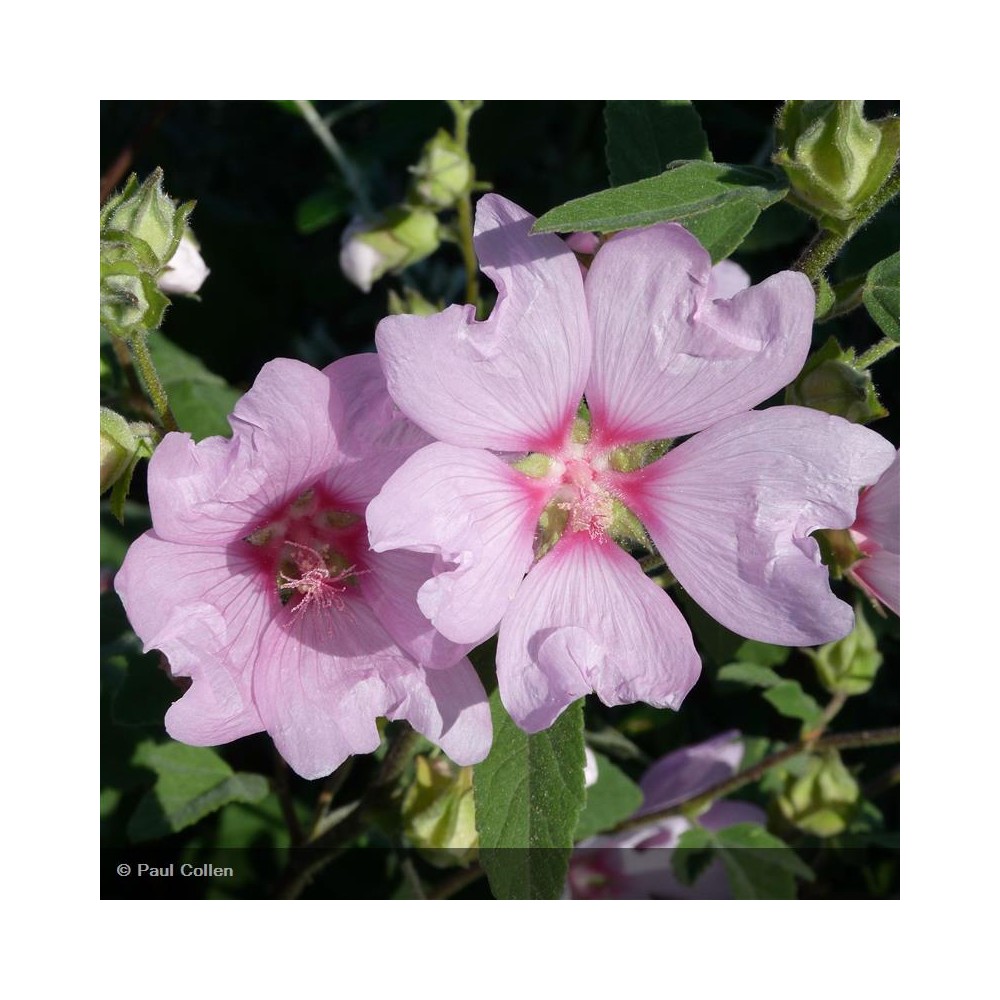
point(822, 797)
point(444, 173)
point(830, 382)
point(849, 665)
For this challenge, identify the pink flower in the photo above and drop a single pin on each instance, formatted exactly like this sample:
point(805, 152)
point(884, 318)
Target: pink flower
point(257, 581)
point(637, 864)
point(522, 500)
point(876, 534)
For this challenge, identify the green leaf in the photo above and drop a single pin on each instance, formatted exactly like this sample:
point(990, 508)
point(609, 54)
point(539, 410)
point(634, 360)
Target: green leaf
point(692, 855)
point(612, 798)
point(881, 295)
point(191, 783)
point(320, 210)
point(777, 226)
point(716, 202)
point(750, 673)
point(758, 864)
point(645, 136)
point(200, 399)
point(790, 700)
point(528, 794)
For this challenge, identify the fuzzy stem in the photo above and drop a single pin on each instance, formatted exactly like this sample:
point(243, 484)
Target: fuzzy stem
point(875, 353)
point(142, 362)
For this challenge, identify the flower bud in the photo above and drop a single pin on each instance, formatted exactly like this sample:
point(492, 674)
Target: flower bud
point(122, 445)
point(444, 173)
point(186, 272)
point(833, 157)
point(130, 299)
point(404, 237)
point(439, 814)
point(820, 796)
point(147, 213)
point(849, 665)
point(830, 382)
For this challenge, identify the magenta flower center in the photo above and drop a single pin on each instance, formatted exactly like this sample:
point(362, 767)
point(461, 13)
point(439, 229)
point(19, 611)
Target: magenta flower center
point(312, 549)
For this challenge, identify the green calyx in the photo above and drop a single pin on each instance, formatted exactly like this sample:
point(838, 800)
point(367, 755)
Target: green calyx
point(835, 159)
point(831, 382)
point(406, 236)
point(849, 665)
point(819, 795)
point(444, 173)
point(438, 811)
point(123, 444)
point(630, 457)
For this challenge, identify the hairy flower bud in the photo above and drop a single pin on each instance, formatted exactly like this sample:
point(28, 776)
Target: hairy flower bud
point(834, 158)
point(820, 796)
point(849, 665)
point(405, 236)
point(444, 173)
point(122, 445)
point(147, 213)
point(830, 382)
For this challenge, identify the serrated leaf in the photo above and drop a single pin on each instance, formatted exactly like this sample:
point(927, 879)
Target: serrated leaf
point(191, 783)
point(716, 202)
point(528, 794)
point(790, 700)
point(881, 295)
point(692, 855)
point(752, 674)
point(758, 864)
point(643, 137)
point(612, 798)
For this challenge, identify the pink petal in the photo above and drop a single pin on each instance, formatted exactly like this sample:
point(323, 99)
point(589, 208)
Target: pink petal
point(204, 608)
point(478, 515)
point(878, 510)
point(390, 586)
point(690, 771)
point(587, 618)
point(283, 441)
point(667, 359)
point(878, 575)
point(449, 707)
point(726, 279)
point(320, 686)
point(514, 381)
point(731, 510)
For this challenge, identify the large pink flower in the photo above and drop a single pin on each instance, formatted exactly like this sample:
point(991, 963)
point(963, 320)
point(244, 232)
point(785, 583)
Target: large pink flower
point(876, 533)
point(516, 469)
point(257, 581)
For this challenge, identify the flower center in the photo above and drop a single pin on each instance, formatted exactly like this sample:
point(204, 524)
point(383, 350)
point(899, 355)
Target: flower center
point(311, 548)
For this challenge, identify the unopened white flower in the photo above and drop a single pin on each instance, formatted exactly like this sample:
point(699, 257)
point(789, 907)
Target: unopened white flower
point(361, 263)
point(186, 271)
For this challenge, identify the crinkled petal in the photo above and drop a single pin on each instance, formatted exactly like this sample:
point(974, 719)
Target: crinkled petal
point(204, 608)
point(320, 684)
point(390, 585)
point(688, 772)
point(668, 360)
point(514, 381)
point(478, 515)
point(449, 707)
point(283, 441)
point(732, 509)
point(587, 618)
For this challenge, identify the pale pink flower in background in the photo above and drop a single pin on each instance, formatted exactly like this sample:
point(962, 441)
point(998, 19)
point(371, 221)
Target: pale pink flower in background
point(186, 272)
point(876, 534)
point(636, 864)
point(731, 510)
point(257, 582)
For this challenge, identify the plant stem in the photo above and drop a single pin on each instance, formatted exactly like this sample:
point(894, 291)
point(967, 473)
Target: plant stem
point(280, 785)
point(827, 244)
point(324, 800)
point(875, 353)
point(142, 362)
point(463, 113)
point(841, 741)
point(835, 704)
point(350, 174)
